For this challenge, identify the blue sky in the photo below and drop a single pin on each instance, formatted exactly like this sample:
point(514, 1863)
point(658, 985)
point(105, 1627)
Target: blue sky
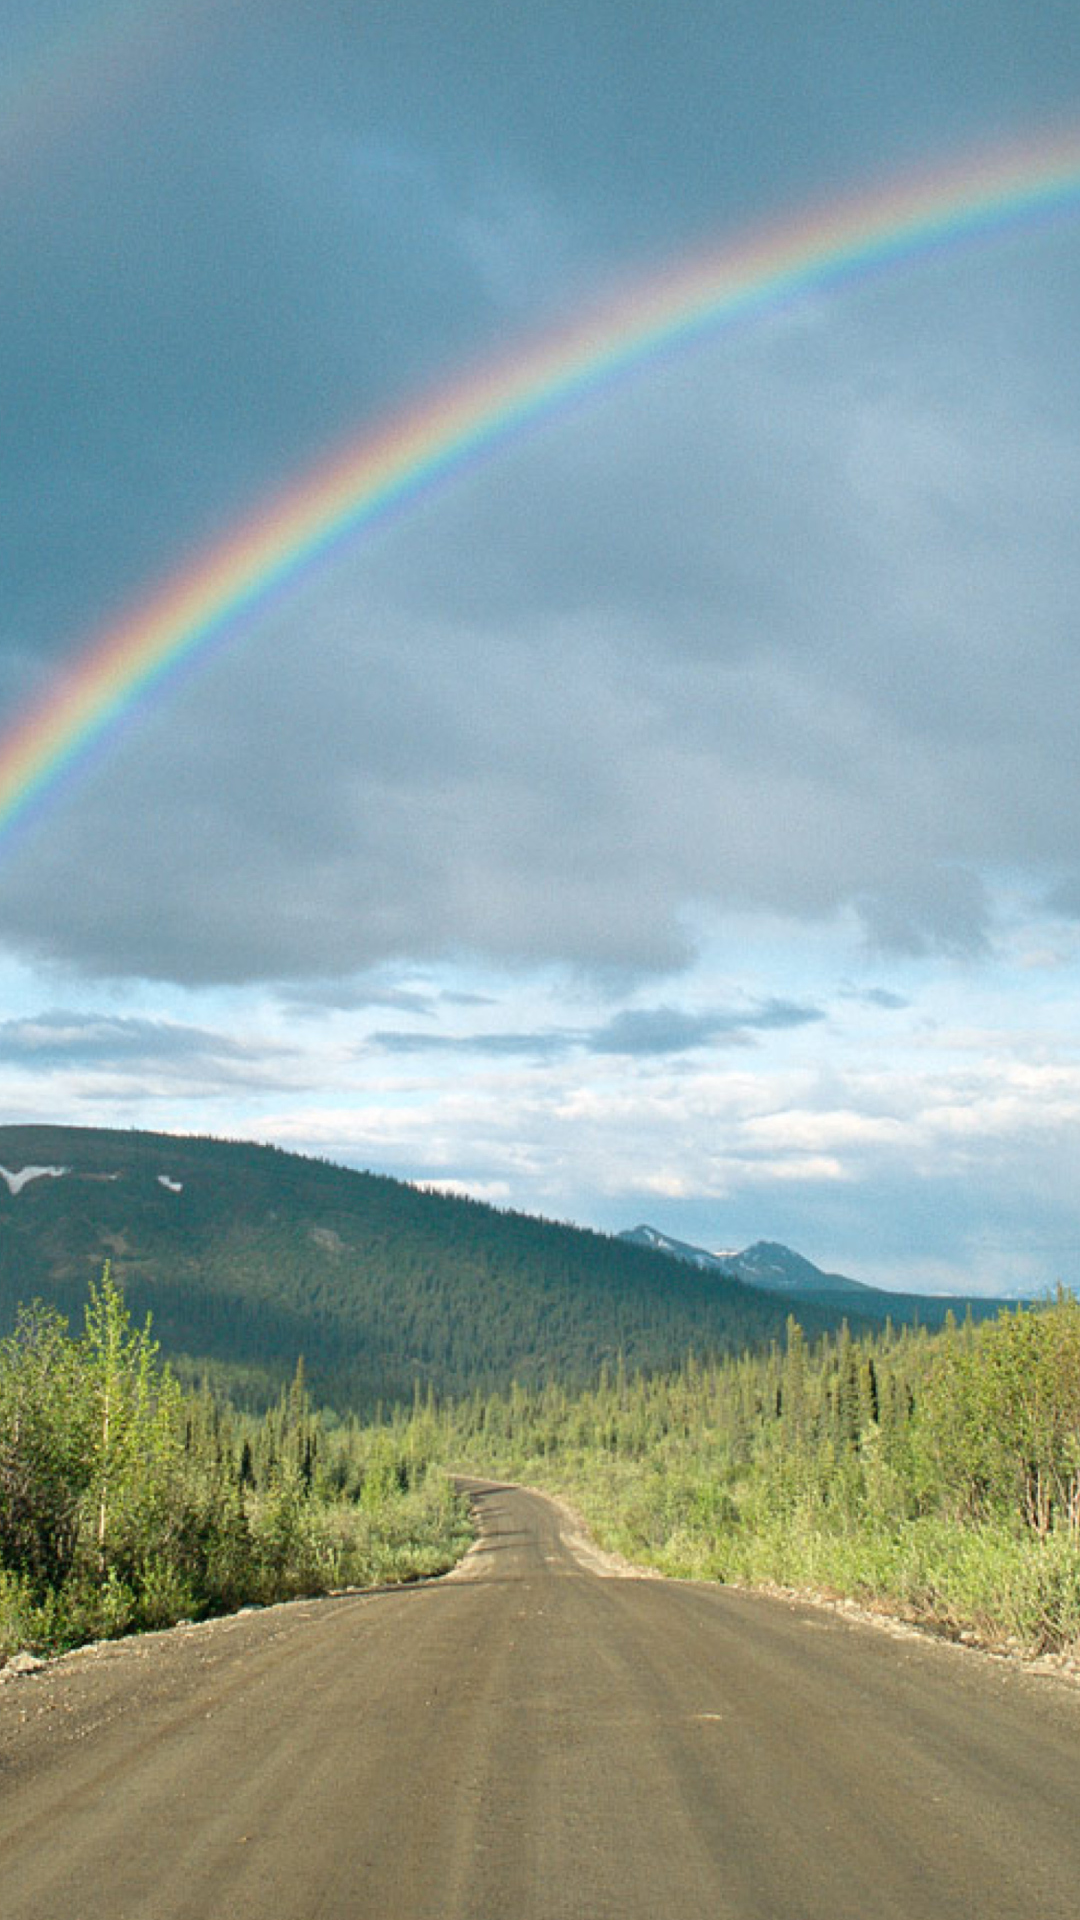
point(676, 818)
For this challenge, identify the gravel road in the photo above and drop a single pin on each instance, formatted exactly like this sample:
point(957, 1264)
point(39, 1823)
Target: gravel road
point(533, 1738)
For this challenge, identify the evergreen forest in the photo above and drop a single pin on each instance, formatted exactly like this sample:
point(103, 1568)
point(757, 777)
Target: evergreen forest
point(931, 1474)
point(246, 1257)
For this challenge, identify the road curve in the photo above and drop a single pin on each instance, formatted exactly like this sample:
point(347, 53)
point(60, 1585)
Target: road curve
point(527, 1739)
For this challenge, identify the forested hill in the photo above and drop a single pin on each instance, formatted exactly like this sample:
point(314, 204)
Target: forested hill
point(248, 1257)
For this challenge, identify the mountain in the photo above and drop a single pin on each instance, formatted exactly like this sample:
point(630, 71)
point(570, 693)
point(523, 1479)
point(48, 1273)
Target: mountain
point(679, 1249)
point(248, 1256)
point(773, 1269)
point(766, 1264)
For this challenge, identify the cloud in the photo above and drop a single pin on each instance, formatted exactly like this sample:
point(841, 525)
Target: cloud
point(315, 997)
point(550, 1045)
point(903, 1178)
point(634, 1032)
point(940, 910)
point(83, 1049)
point(76, 1038)
point(668, 1030)
point(495, 1192)
point(753, 637)
point(783, 623)
point(882, 997)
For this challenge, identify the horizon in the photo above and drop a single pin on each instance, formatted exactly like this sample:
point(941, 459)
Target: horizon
point(17, 1178)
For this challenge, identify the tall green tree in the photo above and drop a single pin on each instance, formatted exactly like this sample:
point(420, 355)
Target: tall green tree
point(45, 1465)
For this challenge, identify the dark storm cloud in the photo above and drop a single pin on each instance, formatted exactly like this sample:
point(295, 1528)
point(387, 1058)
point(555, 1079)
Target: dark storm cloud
point(447, 749)
point(309, 213)
point(786, 624)
point(209, 290)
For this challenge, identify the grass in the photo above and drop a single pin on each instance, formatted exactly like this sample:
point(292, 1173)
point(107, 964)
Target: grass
point(1001, 1586)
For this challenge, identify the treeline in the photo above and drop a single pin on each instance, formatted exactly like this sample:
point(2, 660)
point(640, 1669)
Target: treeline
point(937, 1474)
point(127, 1502)
point(250, 1255)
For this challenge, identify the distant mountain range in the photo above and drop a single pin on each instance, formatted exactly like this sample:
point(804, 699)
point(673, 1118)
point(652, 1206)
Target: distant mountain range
point(766, 1264)
point(248, 1257)
point(777, 1269)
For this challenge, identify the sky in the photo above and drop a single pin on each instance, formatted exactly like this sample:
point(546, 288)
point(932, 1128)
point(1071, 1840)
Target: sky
point(673, 816)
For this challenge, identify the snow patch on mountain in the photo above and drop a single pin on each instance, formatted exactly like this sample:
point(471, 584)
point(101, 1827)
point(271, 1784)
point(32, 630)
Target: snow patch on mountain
point(17, 1181)
point(644, 1236)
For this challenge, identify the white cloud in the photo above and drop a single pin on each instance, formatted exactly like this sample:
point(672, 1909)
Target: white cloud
point(495, 1192)
point(802, 1132)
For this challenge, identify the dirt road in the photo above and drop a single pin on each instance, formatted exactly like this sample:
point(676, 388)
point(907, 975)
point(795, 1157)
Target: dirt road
point(527, 1740)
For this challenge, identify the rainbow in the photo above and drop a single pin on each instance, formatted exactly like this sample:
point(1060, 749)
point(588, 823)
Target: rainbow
point(394, 464)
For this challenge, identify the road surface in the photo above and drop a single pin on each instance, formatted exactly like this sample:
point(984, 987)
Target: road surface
point(529, 1740)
